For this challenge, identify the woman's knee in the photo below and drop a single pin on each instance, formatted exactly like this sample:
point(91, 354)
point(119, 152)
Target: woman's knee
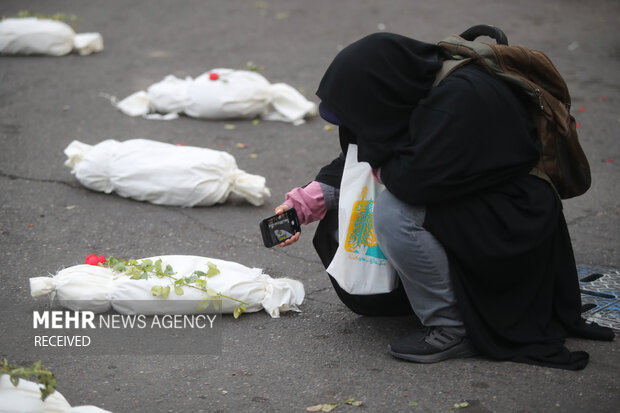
point(383, 214)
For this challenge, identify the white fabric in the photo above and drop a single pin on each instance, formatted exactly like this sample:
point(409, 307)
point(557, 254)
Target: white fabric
point(75, 287)
point(87, 43)
point(359, 266)
point(168, 96)
point(26, 398)
point(47, 37)
point(136, 104)
point(234, 94)
point(162, 173)
point(97, 289)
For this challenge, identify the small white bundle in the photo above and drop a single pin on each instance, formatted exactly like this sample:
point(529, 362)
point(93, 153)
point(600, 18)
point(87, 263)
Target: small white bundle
point(98, 289)
point(32, 35)
point(26, 398)
point(220, 94)
point(162, 173)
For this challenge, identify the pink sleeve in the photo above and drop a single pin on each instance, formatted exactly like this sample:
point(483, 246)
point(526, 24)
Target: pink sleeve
point(308, 202)
point(376, 173)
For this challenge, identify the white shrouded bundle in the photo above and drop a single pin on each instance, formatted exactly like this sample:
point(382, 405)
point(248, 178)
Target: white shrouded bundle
point(220, 94)
point(26, 398)
point(162, 173)
point(98, 289)
point(47, 37)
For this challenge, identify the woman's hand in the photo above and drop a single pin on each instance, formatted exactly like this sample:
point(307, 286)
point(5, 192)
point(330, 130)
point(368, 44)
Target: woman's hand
point(279, 210)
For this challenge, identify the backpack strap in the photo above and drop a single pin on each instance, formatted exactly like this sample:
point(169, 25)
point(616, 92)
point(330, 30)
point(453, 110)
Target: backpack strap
point(448, 67)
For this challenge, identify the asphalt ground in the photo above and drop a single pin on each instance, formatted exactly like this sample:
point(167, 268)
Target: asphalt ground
point(325, 353)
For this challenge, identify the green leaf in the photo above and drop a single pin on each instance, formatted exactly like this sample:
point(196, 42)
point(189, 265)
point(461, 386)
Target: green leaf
point(156, 290)
point(178, 290)
point(203, 304)
point(191, 279)
point(413, 403)
point(201, 283)
point(120, 267)
point(213, 270)
point(211, 292)
point(461, 405)
point(169, 270)
point(132, 271)
point(351, 401)
point(199, 273)
point(216, 304)
point(144, 275)
point(166, 291)
point(132, 262)
point(179, 281)
point(147, 262)
point(238, 311)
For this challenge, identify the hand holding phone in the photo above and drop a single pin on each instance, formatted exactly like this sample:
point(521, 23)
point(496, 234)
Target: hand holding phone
point(280, 227)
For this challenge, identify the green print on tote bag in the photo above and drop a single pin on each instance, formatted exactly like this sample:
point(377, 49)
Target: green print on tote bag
point(361, 237)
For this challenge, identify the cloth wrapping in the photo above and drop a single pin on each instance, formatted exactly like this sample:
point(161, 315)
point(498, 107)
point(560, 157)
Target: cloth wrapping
point(220, 94)
point(26, 398)
point(99, 289)
point(163, 173)
point(31, 35)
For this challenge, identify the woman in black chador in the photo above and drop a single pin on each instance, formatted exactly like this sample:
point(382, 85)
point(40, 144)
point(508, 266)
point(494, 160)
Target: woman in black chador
point(481, 246)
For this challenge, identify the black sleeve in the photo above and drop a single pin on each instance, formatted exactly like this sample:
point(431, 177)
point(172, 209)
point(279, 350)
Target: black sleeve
point(332, 174)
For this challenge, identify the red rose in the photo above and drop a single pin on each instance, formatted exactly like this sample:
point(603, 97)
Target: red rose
point(214, 76)
point(92, 259)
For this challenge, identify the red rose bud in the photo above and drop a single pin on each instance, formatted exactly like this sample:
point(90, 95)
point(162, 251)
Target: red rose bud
point(214, 76)
point(93, 259)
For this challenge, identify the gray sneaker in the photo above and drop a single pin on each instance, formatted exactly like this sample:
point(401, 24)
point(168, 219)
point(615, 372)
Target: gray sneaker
point(430, 346)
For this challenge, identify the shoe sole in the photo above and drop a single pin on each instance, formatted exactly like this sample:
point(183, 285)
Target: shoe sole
point(453, 352)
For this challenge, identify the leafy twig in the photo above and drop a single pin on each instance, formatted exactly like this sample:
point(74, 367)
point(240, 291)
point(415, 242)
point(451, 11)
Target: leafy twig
point(42, 375)
point(143, 269)
point(71, 18)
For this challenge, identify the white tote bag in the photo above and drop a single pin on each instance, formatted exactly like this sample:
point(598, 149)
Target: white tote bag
point(359, 265)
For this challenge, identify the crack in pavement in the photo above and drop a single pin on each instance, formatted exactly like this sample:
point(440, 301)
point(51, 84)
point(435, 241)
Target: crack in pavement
point(195, 220)
point(320, 290)
point(41, 180)
point(578, 220)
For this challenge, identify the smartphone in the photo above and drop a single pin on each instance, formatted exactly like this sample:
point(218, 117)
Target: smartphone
point(279, 228)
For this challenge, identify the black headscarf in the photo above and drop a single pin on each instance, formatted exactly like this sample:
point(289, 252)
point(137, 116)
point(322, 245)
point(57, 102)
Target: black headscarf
point(374, 84)
point(433, 144)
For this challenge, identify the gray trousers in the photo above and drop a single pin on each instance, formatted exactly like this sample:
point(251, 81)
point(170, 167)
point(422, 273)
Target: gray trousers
point(420, 261)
